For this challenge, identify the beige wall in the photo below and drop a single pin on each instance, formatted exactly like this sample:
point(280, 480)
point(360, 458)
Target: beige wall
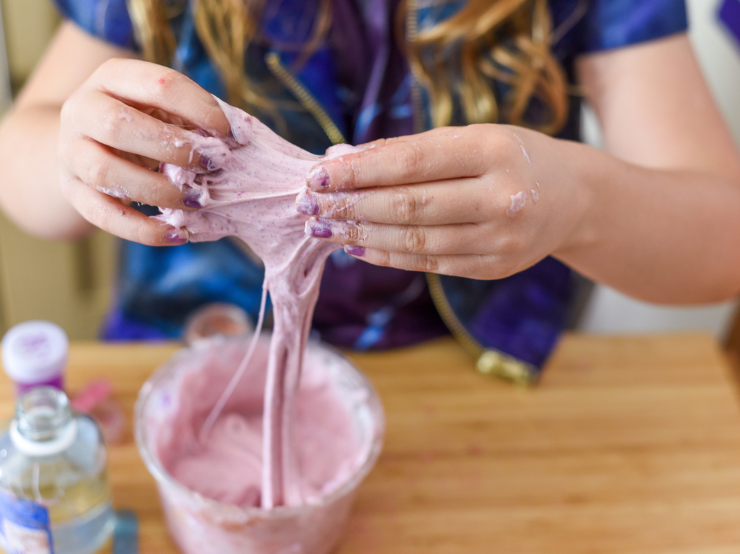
point(65, 283)
point(29, 24)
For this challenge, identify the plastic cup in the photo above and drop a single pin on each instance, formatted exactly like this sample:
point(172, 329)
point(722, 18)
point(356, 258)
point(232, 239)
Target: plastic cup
point(200, 525)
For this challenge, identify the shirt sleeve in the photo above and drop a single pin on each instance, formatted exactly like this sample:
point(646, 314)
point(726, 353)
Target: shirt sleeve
point(108, 20)
point(616, 23)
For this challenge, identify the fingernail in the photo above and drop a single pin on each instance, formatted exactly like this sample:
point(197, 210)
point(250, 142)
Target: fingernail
point(176, 236)
point(191, 198)
point(358, 251)
point(206, 162)
point(307, 204)
point(317, 178)
point(319, 229)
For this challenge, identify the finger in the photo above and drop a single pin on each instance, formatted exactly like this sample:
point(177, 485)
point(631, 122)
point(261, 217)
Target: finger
point(99, 168)
point(466, 265)
point(125, 128)
point(118, 219)
point(408, 239)
point(156, 86)
point(445, 153)
point(438, 203)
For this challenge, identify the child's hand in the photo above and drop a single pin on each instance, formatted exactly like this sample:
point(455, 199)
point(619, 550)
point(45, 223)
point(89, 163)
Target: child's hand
point(119, 125)
point(483, 201)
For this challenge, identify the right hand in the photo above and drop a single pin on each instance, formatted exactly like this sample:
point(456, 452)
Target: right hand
point(119, 125)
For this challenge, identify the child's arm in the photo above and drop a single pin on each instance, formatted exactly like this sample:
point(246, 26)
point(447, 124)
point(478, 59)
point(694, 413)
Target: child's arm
point(78, 145)
point(29, 190)
point(657, 217)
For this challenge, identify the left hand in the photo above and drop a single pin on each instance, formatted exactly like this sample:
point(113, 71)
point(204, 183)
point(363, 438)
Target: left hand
point(483, 201)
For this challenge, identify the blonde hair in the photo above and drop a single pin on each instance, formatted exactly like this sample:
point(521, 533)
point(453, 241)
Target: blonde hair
point(506, 41)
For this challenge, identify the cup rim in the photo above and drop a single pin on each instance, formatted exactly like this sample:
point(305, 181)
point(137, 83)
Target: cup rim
point(162, 476)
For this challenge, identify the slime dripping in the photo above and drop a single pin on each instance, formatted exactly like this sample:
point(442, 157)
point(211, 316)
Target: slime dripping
point(249, 191)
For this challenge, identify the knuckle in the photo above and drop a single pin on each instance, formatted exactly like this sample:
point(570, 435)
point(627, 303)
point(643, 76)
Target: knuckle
point(105, 69)
point(342, 206)
point(111, 127)
point(354, 233)
point(413, 239)
point(98, 172)
point(408, 159)
point(509, 143)
point(67, 110)
point(108, 70)
point(109, 65)
point(404, 206)
point(476, 131)
point(428, 264)
point(164, 83)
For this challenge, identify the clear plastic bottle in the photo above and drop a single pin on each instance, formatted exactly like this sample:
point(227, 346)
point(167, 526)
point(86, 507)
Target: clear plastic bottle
point(54, 491)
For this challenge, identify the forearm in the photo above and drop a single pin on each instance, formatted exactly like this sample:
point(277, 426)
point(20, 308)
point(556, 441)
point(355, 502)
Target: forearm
point(659, 235)
point(29, 192)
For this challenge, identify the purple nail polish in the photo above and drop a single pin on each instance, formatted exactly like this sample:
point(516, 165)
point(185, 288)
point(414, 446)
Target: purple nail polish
point(308, 205)
point(206, 162)
point(176, 236)
point(319, 229)
point(358, 251)
point(191, 198)
point(317, 178)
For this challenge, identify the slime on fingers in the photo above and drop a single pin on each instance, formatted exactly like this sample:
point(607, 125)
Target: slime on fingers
point(247, 185)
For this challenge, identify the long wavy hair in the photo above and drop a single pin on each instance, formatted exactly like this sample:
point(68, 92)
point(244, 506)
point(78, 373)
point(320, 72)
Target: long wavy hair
point(458, 61)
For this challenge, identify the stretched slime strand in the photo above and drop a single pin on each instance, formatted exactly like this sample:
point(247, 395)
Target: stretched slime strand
point(229, 390)
point(251, 195)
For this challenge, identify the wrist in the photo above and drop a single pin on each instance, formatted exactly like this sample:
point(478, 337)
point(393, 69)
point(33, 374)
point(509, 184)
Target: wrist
point(582, 171)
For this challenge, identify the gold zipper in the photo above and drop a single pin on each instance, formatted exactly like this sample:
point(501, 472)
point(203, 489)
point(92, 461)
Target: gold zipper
point(489, 361)
point(412, 29)
point(306, 99)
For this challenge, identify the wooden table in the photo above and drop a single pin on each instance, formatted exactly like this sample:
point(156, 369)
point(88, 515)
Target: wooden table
point(629, 445)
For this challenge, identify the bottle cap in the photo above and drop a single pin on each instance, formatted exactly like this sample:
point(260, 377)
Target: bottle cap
point(35, 352)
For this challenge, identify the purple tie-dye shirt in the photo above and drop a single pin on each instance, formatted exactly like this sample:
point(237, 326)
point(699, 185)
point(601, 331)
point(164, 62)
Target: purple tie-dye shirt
point(361, 80)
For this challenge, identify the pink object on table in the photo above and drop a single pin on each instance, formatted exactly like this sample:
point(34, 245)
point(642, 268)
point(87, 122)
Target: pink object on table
point(93, 394)
point(95, 400)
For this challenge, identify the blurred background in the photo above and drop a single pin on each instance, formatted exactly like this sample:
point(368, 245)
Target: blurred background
point(71, 284)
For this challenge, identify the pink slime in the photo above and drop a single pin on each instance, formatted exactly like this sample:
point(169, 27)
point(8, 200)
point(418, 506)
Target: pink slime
point(251, 194)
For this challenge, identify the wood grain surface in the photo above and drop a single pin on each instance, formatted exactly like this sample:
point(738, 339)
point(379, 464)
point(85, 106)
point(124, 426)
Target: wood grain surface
point(628, 445)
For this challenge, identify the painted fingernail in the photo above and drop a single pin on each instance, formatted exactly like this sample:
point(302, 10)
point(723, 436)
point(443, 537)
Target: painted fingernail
point(317, 178)
point(307, 204)
point(319, 229)
point(191, 198)
point(176, 236)
point(358, 251)
point(206, 162)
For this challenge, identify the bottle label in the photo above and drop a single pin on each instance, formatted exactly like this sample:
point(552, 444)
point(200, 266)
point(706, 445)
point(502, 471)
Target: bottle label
point(25, 526)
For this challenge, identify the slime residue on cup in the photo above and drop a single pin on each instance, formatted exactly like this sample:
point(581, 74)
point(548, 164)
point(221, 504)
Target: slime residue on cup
point(228, 466)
